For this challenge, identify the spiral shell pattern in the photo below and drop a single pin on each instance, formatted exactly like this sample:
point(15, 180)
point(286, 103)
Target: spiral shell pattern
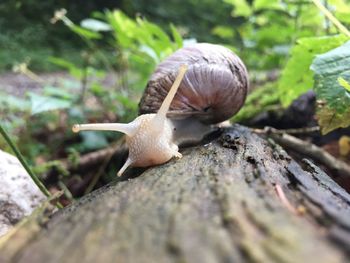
point(214, 87)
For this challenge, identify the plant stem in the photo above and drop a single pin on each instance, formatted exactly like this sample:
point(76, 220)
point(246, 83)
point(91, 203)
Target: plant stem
point(332, 18)
point(24, 163)
point(297, 20)
point(327, 21)
point(84, 79)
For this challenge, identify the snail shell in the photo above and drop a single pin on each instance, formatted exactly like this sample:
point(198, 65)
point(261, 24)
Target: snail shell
point(213, 90)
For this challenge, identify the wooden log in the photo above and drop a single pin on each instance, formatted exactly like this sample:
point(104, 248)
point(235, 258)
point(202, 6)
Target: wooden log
point(235, 199)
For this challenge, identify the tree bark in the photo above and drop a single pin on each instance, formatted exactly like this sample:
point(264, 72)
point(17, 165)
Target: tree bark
point(235, 199)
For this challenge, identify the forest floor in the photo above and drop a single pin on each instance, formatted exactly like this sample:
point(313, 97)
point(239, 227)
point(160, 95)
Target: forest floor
point(18, 84)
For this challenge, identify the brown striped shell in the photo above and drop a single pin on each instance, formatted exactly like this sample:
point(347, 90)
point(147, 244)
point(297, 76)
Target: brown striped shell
point(214, 87)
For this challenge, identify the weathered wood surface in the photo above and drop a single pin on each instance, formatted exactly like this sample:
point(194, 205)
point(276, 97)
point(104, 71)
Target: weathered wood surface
point(216, 204)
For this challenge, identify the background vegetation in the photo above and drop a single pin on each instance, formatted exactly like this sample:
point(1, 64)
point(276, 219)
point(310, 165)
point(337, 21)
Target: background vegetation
point(108, 49)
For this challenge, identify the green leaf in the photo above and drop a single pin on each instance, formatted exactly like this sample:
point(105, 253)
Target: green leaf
point(85, 33)
point(329, 119)
point(223, 31)
point(61, 62)
point(124, 28)
point(42, 103)
point(73, 70)
point(332, 77)
point(58, 92)
point(267, 4)
point(241, 8)
point(297, 77)
point(342, 82)
point(150, 52)
point(126, 101)
point(10, 102)
point(95, 25)
point(141, 45)
point(176, 36)
point(259, 100)
point(341, 10)
point(155, 31)
point(93, 140)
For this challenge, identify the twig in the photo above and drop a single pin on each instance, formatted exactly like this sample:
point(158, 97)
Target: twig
point(304, 130)
point(65, 190)
point(311, 150)
point(93, 158)
point(107, 157)
point(327, 21)
point(332, 18)
point(84, 80)
point(22, 68)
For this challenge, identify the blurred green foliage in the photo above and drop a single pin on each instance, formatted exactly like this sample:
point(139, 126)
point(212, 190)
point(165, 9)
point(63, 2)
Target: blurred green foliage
point(262, 100)
point(141, 45)
point(27, 34)
point(275, 27)
point(194, 18)
point(270, 28)
point(261, 31)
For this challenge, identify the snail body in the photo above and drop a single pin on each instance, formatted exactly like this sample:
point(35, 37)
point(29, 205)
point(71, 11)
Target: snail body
point(191, 90)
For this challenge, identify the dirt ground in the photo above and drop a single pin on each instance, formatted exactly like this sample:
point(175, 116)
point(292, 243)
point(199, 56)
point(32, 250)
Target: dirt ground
point(18, 84)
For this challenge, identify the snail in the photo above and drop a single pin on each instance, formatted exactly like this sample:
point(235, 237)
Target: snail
point(192, 90)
